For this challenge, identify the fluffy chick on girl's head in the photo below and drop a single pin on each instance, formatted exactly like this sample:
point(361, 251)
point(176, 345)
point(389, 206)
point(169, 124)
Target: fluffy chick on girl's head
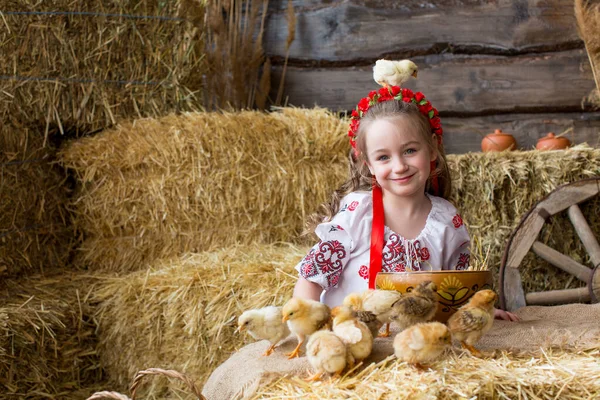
point(264, 324)
point(394, 73)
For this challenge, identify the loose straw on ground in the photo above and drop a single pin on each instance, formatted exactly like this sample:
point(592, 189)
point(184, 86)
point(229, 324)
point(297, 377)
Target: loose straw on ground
point(545, 374)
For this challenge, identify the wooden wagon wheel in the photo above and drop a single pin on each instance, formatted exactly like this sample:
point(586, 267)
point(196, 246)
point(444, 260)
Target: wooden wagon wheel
point(524, 238)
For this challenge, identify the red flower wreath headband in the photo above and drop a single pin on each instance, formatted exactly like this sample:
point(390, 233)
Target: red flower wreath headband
point(378, 222)
point(395, 93)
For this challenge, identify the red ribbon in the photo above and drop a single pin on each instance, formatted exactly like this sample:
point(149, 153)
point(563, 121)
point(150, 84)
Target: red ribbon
point(377, 231)
point(378, 228)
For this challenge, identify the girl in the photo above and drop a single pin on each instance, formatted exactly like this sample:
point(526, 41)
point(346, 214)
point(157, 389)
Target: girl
point(391, 215)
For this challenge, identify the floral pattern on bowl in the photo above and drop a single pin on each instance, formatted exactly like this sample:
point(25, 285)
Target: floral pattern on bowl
point(455, 288)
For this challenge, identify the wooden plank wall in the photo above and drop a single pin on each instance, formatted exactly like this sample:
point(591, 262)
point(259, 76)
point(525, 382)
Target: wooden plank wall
point(518, 65)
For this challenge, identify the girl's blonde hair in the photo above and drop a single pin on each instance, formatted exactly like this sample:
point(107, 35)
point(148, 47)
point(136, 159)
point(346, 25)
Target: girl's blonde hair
point(360, 178)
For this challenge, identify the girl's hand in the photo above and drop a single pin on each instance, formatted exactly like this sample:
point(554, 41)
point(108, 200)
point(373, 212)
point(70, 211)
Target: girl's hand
point(505, 315)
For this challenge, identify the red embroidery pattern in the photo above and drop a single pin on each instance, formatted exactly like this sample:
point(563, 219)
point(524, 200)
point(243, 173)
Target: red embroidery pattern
point(363, 272)
point(421, 253)
point(457, 221)
point(394, 255)
point(424, 254)
point(353, 206)
point(463, 261)
point(324, 259)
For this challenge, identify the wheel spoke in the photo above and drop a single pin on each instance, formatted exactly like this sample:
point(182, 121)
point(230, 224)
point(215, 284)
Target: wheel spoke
point(563, 262)
point(585, 233)
point(525, 238)
point(513, 295)
point(579, 295)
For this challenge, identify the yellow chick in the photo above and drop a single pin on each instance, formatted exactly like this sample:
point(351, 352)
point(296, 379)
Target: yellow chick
point(304, 317)
point(354, 333)
point(379, 302)
point(422, 343)
point(394, 73)
point(327, 353)
point(473, 320)
point(417, 306)
point(264, 323)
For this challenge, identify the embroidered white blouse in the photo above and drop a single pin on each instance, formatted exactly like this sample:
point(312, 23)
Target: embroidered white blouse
point(339, 263)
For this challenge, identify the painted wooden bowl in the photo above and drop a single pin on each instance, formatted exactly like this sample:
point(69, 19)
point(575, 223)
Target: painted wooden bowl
point(454, 288)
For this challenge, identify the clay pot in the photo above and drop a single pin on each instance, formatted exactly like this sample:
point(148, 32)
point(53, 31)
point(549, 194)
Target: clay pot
point(498, 141)
point(551, 142)
point(454, 288)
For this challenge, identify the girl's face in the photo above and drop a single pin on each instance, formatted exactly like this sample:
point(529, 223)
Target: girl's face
point(398, 156)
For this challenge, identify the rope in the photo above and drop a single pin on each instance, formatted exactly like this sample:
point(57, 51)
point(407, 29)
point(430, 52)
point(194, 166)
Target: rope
point(92, 14)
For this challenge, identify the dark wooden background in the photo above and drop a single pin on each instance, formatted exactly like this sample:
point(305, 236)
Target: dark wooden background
point(517, 65)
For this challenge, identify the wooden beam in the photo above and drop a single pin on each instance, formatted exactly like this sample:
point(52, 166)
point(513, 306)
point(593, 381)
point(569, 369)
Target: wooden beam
point(456, 83)
point(346, 30)
point(585, 234)
point(579, 295)
point(563, 262)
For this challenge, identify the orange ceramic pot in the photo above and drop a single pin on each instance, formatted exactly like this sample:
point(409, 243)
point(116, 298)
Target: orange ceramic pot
point(498, 141)
point(551, 142)
point(454, 288)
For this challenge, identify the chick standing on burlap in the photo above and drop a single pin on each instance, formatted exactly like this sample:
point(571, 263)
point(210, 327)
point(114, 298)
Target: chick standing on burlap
point(392, 214)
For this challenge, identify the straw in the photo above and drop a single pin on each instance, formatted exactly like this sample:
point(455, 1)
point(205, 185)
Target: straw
point(181, 314)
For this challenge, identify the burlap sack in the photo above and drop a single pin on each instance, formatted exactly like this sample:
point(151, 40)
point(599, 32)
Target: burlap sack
point(575, 325)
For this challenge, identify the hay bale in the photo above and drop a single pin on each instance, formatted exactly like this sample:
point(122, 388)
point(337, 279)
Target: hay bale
point(181, 314)
point(78, 67)
point(84, 66)
point(47, 341)
point(157, 188)
point(495, 190)
point(35, 230)
point(552, 373)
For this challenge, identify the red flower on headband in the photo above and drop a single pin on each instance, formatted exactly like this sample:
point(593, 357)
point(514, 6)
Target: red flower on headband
point(363, 104)
point(395, 93)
